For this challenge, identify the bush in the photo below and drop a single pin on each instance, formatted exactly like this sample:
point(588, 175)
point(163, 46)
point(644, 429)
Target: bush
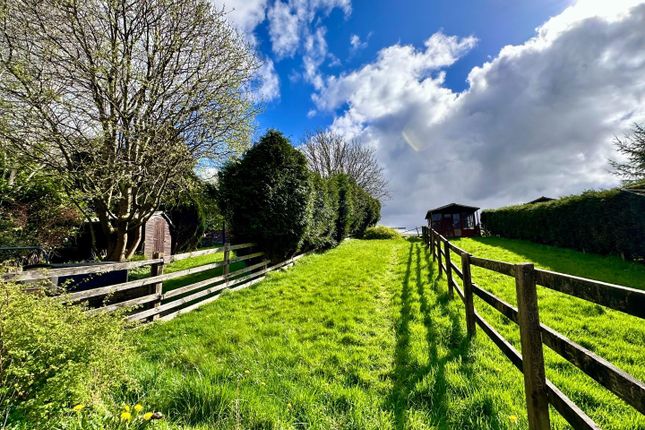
point(265, 196)
point(322, 213)
point(604, 222)
point(381, 232)
point(54, 356)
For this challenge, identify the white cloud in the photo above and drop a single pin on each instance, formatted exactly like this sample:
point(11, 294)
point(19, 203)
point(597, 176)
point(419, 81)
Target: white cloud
point(245, 15)
point(356, 43)
point(293, 26)
point(268, 86)
point(537, 119)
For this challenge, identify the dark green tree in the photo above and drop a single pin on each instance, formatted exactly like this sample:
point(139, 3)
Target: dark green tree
point(265, 196)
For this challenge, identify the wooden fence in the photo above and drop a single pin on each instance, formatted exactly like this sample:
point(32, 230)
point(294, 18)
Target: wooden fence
point(147, 297)
point(540, 392)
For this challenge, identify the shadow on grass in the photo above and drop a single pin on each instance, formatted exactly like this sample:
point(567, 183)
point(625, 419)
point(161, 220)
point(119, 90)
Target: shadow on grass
point(407, 373)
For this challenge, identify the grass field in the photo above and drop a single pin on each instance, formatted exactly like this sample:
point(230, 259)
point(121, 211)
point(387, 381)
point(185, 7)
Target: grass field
point(365, 337)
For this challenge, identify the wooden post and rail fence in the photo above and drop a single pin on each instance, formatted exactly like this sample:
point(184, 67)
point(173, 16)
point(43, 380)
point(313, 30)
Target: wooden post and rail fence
point(146, 298)
point(540, 392)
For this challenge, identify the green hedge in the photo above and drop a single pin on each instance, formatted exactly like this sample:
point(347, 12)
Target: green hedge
point(604, 222)
point(270, 197)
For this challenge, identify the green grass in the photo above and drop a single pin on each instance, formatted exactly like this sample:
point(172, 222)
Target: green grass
point(189, 263)
point(365, 337)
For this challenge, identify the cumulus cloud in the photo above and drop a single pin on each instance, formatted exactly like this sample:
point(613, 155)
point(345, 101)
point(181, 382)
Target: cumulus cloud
point(537, 119)
point(245, 15)
point(268, 84)
point(294, 27)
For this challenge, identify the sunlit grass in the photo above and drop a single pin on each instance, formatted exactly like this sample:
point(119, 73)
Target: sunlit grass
point(365, 337)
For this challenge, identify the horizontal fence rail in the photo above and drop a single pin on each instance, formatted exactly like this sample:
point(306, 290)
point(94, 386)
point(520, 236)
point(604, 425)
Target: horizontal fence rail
point(540, 392)
point(145, 299)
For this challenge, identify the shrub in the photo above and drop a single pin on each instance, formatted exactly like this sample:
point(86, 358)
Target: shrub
point(345, 215)
point(605, 222)
point(265, 196)
point(381, 232)
point(322, 213)
point(54, 356)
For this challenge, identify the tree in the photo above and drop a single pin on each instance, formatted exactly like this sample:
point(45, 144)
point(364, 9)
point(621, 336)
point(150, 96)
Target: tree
point(632, 146)
point(120, 99)
point(329, 153)
point(265, 196)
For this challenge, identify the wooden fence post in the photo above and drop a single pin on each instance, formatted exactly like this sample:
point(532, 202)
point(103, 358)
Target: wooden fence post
point(448, 269)
point(155, 270)
point(468, 294)
point(439, 254)
point(431, 239)
point(227, 261)
point(424, 235)
point(537, 404)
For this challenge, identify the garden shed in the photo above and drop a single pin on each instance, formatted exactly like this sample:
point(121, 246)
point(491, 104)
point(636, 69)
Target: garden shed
point(157, 236)
point(454, 220)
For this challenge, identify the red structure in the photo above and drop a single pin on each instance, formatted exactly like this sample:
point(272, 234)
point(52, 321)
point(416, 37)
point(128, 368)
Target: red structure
point(454, 220)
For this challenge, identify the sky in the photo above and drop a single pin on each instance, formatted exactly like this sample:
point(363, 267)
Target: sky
point(481, 102)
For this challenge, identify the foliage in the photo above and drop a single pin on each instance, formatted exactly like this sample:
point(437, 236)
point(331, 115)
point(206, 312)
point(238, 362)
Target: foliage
point(367, 211)
point(605, 222)
point(322, 213)
point(128, 417)
point(381, 232)
point(122, 109)
point(329, 154)
point(632, 147)
point(54, 356)
point(34, 208)
point(345, 216)
point(265, 196)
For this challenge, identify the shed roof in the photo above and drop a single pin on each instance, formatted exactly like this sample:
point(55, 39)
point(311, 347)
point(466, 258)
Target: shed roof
point(452, 208)
point(540, 200)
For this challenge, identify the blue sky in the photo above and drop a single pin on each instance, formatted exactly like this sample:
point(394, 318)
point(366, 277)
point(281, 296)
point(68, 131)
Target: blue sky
point(488, 102)
point(382, 23)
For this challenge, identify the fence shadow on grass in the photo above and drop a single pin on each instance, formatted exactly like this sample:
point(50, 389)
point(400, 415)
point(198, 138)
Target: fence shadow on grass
point(407, 373)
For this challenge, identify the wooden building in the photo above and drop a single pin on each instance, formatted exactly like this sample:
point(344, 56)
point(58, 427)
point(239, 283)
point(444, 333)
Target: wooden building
point(541, 199)
point(454, 220)
point(156, 235)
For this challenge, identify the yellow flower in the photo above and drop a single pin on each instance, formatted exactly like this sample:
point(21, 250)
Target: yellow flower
point(513, 419)
point(126, 408)
point(126, 416)
point(78, 407)
point(138, 407)
point(148, 416)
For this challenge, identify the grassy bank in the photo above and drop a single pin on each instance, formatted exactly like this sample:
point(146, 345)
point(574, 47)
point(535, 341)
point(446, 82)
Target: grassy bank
point(365, 337)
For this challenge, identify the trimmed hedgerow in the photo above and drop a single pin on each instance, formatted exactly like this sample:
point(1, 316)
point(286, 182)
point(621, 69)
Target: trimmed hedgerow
point(604, 222)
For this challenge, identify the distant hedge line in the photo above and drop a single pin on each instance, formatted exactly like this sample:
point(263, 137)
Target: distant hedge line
point(604, 222)
point(270, 197)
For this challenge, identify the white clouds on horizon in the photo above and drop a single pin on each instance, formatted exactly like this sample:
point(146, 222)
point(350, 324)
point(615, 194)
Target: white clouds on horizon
point(535, 120)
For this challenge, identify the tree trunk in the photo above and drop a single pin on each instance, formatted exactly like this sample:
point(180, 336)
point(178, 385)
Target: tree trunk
point(134, 242)
point(117, 244)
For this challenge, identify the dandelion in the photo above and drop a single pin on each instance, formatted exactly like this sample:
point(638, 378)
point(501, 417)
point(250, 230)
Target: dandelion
point(126, 416)
point(78, 407)
point(513, 419)
point(147, 416)
point(126, 408)
point(138, 407)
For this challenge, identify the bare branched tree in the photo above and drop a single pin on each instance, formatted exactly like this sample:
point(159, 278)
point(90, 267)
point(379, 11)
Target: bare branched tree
point(632, 146)
point(120, 98)
point(329, 153)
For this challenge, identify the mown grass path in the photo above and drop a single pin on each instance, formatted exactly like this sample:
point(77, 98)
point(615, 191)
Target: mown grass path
point(360, 337)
